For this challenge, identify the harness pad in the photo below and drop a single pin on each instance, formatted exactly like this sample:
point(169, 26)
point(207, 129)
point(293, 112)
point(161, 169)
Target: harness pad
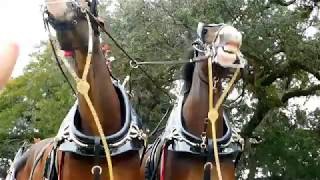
point(129, 138)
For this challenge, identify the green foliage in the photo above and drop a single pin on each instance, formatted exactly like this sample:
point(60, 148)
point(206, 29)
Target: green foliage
point(33, 105)
point(285, 152)
point(283, 63)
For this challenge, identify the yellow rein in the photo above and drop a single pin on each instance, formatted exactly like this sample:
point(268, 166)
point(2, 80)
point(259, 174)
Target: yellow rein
point(83, 88)
point(213, 113)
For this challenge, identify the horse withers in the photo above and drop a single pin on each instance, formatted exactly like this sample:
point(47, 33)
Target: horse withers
point(78, 151)
point(185, 148)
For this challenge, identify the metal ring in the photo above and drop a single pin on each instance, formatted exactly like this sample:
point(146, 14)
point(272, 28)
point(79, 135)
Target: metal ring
point(74, 22)
point(134, 64)
point(203, 146)
point(96, 167)
point(208, 164)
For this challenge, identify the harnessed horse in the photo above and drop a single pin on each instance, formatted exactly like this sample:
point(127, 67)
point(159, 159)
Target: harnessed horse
point(102, 107)
point(188, 148)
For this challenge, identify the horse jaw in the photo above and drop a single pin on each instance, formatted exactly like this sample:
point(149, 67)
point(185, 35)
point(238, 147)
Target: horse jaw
point(60, 10)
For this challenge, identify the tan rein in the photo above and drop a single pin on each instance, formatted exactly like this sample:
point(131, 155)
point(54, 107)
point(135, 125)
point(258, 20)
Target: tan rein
point(213, 113)
point(83, 88)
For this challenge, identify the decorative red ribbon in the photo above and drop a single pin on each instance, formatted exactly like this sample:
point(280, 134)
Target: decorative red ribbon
point(163, 162)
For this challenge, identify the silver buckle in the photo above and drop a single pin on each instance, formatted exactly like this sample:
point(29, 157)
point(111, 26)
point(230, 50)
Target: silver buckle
point(96, 167)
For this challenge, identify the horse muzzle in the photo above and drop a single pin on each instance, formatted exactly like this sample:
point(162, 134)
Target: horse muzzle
point(227, 48)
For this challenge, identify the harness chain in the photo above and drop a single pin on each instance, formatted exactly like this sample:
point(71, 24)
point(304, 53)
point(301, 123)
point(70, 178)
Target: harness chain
point(213, 114)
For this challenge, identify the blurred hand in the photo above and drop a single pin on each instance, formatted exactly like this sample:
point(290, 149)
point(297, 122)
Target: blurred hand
point(8, 56)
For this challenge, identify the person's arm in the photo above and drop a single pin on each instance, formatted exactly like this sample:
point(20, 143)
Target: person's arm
point(8, 57)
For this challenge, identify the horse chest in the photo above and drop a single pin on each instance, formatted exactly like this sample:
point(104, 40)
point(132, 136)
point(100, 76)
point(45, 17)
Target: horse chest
point(185, 167)
point(124, 167)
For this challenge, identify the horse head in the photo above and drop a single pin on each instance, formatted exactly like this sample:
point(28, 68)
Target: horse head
point(72, 20)
point(222, 42)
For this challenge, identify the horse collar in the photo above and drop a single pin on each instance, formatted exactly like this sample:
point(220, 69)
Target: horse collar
point(177, 139)
point(183, 141)
point(129, 138)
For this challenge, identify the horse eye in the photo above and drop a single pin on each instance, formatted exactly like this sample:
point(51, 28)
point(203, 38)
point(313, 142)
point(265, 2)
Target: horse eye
point(205, 31)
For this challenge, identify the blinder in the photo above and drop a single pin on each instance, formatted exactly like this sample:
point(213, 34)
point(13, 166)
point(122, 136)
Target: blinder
point(202, 31)
point(73, 10)
point(76, 11)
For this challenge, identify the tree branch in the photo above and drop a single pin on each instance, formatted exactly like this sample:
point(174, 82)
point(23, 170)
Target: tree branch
point(255, 58)
point(301, 92)
point(287, 69)
point(229, 11)
point(282, 71)
point(175, 20)
point(283, 2)
point(310, 70)
point(261, 110)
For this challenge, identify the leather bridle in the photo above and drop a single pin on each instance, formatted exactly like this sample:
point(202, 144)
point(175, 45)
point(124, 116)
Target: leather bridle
point(211, 51)
point(82, 84)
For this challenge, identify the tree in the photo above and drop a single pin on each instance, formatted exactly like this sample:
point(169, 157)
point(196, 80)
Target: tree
point(283, 64)
point(32, 105)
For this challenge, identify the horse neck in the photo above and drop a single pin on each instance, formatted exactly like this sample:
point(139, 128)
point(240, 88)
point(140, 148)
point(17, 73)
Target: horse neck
point(102, 94)
point(196, 106)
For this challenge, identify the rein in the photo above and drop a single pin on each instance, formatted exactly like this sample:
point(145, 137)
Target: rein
point(83, 88)
point(136, 64)
point(213, 113)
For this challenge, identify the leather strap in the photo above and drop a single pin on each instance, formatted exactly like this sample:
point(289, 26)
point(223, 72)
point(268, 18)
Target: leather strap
point(210, 158)
point(50, 171)
point(97, 171)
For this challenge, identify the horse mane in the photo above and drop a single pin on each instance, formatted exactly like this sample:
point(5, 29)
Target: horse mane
point(187, 71)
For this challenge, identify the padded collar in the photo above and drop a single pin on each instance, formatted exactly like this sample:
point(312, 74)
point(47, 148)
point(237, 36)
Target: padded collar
point(184, 141)
point(129, 138)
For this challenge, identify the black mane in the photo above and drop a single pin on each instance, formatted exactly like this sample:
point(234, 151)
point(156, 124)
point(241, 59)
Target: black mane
point(187, 72)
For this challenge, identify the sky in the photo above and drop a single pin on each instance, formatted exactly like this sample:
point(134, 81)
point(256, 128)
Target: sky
point(21, 22)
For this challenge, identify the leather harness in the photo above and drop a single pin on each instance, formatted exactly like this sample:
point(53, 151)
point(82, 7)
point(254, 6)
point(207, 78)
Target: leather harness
point(129, 138)
point(179, 140)
point(70, 139)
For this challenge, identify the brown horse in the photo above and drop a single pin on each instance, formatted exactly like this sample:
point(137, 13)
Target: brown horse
point(77, 151)
point(185, 145)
